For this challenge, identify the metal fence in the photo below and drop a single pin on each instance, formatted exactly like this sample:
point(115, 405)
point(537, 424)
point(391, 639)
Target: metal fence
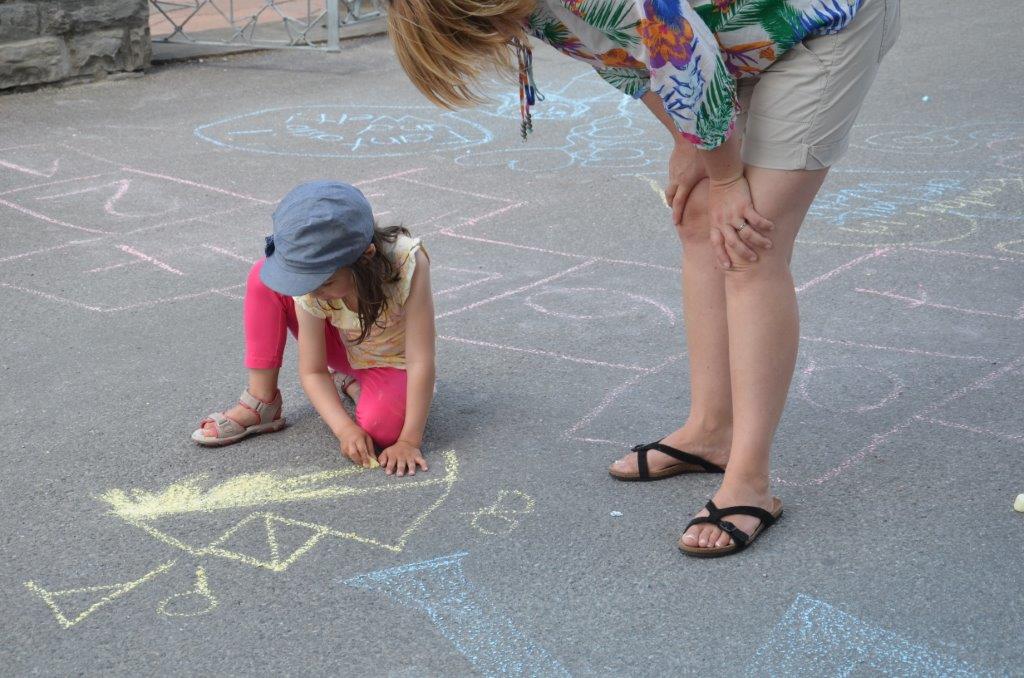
point(294, 24)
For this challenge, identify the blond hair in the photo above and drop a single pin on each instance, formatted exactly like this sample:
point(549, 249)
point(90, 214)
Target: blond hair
point(445, 45)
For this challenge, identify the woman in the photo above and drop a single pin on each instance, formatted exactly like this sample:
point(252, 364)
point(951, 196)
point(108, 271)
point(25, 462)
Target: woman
point(760, 97)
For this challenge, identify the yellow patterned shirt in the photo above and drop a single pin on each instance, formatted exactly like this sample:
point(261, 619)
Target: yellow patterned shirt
point(384, 346)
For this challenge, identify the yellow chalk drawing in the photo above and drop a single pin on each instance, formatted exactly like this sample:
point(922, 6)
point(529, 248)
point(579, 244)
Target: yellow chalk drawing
point(656, 187)
point(113, 592)
point(1011, 247)
point(487, 519)
point(201, 589)
point(139, 508)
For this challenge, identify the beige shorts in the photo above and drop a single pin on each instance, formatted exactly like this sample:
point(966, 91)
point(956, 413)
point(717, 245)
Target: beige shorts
point(798, 114)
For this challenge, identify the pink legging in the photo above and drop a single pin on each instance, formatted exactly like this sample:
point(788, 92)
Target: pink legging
point(381, 408)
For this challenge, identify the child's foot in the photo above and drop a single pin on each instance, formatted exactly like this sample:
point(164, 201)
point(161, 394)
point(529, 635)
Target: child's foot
point(711, 446)
point(708, 535)
point(348, 386)
point(251, 415)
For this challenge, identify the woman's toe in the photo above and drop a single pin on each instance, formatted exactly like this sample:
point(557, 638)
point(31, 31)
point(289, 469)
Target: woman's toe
point(690, 537)
point(723, 540)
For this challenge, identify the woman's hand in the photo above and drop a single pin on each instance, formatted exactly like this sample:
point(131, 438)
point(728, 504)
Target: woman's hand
point(402, 456)
point(356, 444)
point(736, 227)
point(685, 170)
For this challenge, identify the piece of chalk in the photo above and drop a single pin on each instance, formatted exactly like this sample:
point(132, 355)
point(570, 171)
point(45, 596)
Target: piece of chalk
point(618, 514)
point(925, 98)
point(374, 463)
point(1018, 503)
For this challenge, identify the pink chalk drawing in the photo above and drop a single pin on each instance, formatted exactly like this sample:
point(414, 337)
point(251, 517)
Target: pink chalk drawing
point(121, 187)
point(922, 300)
point(481, 277)
point(543, 353)
point(577, 296)
point(61, 186)
point(886, 382)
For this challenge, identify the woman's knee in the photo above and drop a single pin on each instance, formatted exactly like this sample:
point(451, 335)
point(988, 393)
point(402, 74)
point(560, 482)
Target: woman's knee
point(694, 225)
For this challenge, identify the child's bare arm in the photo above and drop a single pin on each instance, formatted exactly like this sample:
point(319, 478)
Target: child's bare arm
point(420, 339)
point(319, 386)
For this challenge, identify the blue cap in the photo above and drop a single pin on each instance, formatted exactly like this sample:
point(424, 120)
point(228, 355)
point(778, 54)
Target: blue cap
point(319, 227)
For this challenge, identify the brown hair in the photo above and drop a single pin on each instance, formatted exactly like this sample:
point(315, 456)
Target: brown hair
point(444, 45)
point(372, 274)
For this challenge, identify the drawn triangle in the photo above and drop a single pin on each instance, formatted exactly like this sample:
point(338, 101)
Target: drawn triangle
point(267, 541)
point(290, 539)
point(77, 604)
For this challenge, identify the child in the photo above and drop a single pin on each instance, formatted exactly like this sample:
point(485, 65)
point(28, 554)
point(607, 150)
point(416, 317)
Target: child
point(358, 299)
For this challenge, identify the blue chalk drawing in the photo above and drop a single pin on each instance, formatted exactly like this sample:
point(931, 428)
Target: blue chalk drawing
point(609, 135)
point(345, 131)
point(878, 200)
point(815, 639)
point(491, 643)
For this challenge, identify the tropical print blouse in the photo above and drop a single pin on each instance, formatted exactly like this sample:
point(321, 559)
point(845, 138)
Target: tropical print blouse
point(689, 53)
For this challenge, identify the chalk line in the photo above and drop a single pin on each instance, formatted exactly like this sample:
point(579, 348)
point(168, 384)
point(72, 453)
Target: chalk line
point(389, 176)
point(611, 396)
point(50, 249)
point(478, 630)
point(47, 219)
point(917, 303)
point(196, 184)
point(550, 354)
point(880, 439)
point(103, 269)
point(456, 190)
point(228, 253)
point(98, 309)
point(55, 183)
point(25, 170)
point(972, 429)
point(881, 251)
point(574, 255)
point(815, 639)
point(517, 290)
point(128, 249)
point(895, 349)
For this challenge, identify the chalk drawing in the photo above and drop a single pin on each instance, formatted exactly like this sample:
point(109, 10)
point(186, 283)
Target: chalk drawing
point(885, 381)
point(540, 352)
point(196, 601)
point(345, 131)
point(922, 300)
point(614, 140)
point(577, 296)
point(924, 139)
point(1011, 247)
point(106, 594)
point(110, 206)
point(190, 496)
point(814, 638)
point(500, 517)
point(462, 614)
point(481, 278)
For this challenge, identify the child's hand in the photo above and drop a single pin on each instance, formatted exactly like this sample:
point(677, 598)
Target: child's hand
point(402, 456)
point(357, 445)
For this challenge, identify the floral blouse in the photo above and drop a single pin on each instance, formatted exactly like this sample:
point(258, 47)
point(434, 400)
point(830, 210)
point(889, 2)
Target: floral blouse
point(689, 53)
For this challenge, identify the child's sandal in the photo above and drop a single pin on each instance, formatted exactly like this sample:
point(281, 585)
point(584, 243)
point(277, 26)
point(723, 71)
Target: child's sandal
point(230, 431)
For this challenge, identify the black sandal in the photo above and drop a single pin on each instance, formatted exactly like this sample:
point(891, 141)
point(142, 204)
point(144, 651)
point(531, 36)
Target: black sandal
point(740, 539)
point(690, 463)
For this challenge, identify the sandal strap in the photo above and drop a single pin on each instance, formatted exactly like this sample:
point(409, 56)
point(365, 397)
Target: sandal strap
point(685, 457)
point(717, 517)
point(225, 426)
point(643, 471)
point(265, 411)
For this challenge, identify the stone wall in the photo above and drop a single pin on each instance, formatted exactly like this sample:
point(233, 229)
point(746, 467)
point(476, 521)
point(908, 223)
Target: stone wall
point(53, 40)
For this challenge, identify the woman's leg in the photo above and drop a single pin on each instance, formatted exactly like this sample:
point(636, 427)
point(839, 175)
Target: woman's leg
point(380, 408)
point(267, 316)
point(707, 431)
point(763, 336)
